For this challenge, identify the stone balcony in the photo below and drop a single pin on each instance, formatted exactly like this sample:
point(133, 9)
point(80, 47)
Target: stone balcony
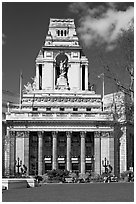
point(21, 116)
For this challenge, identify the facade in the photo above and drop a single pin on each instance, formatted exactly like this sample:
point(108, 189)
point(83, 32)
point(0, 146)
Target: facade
point(7, 98)
point(60, 123)
point(119, 104)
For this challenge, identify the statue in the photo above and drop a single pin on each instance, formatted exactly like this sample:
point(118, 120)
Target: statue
point(34, 83)
point(28, 87)
point(62, 81)
point(62, 68)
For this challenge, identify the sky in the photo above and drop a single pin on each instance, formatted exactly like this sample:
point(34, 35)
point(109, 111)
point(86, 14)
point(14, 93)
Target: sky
point(25, 25)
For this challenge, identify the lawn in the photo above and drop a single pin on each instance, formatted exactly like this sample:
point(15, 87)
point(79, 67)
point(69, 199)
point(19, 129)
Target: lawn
point(95, 192)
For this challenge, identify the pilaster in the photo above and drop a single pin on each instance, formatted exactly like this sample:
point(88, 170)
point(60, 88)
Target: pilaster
point(12, 152)
point(82, 134)
point(97, 152)
point(26, 151)
point(20, 135)
point(123, 151)
point(104, 147)
point(7, 153)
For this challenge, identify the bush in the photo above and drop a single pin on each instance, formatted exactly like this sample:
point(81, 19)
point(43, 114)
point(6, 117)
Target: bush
point(84, 177)
point(57, 175)
point(127, 175)
point(73, 175)
point(39, 178)
point(45, 178)
point(94, 177)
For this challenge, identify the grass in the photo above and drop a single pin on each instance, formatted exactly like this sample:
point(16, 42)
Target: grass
point(95, 192)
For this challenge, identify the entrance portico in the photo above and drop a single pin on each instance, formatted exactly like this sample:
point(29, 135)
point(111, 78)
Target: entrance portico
point(71, 150)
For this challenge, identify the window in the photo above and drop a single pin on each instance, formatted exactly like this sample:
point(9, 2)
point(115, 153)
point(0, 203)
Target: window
point(48, 140)
point(61, 145)
point(89, 143)
point(40, 76)
point(48, 167)
point(75, 54)
point(75, 109)
point(62, 109)
point(83, 77)
point(35, 109)
point(74, 167)
point(88, 109)
point(58, 32)
point(48, 54)
point(65, 32)
point(48, 109)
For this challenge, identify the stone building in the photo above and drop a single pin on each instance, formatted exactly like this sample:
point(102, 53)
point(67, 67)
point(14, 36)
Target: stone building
point(60, 123)
point(7, 98)
point(120, 105)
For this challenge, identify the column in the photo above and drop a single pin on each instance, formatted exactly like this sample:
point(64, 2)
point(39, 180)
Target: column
point(104, 147)
point(54, 150)
point(111, 149)
point(37, 76)
point(54, 75)
point(86, 77)
point(97, 154)
point(40, 152)
point(123, 150)
point(81, 77)
point(7, 152)
point(26, 151)
point(20, 136)
point(12, 152)
point(82, 134)
point(68, 134)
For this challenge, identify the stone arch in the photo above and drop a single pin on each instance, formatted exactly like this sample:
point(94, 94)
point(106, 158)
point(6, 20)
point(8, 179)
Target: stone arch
point(62, 53)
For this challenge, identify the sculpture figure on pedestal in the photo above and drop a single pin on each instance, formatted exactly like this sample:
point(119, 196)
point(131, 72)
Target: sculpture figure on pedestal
point(62, 81)
point(63, 68)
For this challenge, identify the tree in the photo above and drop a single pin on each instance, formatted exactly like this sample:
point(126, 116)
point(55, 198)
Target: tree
point(124, 128)
point(126, 45)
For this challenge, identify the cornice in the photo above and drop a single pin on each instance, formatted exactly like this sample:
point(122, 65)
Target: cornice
point(68, 99)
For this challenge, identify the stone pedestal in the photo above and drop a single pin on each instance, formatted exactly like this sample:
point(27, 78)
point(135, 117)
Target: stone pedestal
point(54, 150)
point(82, 134)
point(62, 83)
point(68, 150)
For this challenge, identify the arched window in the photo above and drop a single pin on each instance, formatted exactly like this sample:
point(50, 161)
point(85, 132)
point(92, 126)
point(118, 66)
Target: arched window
point(65, 32)
point(58, 32)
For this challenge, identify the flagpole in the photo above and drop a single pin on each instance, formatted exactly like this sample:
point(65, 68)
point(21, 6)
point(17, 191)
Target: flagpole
point(103, 91)
point(102, 75)
point(20, 101)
